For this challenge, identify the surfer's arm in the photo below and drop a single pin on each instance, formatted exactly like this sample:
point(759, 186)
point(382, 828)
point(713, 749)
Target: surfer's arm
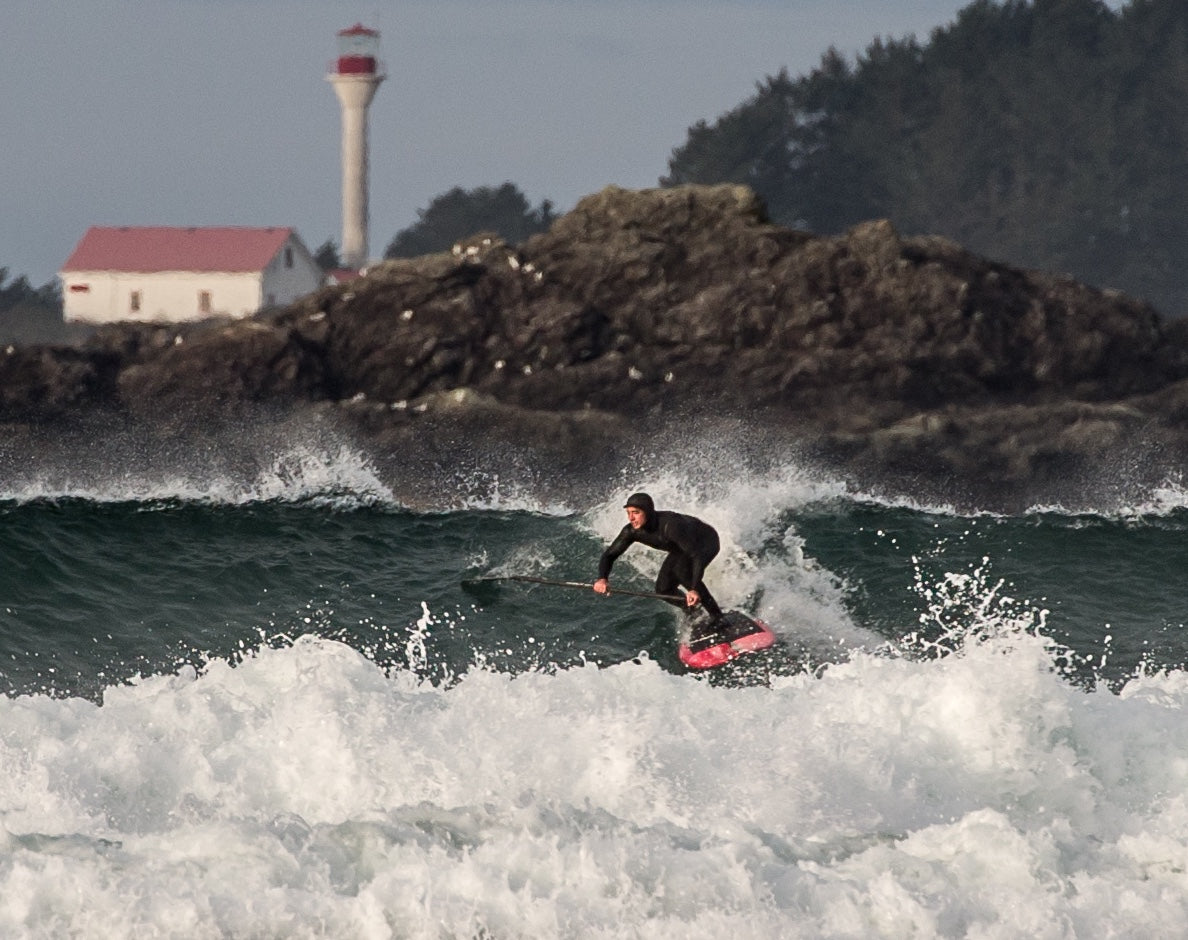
point(616, 548)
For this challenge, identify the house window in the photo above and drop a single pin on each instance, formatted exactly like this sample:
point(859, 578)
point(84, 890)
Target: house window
point(204, 301)
point(288, 257)
point(134, 301)
point(80, 288)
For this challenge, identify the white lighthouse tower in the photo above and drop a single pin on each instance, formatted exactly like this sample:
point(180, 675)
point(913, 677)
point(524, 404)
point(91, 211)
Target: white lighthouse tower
point(356, 76)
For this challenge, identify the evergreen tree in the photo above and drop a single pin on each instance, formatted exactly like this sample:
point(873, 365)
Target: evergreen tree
point(460, 213)
point(20, 293)
point(327, 257)
point(1046, 133)
point(33, 314)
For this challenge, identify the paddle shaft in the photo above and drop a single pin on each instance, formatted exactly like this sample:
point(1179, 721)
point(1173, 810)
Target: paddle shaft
point(584, 586)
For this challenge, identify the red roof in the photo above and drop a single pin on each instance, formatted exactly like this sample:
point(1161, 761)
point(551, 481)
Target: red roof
point(358, 30)
point(147, 249)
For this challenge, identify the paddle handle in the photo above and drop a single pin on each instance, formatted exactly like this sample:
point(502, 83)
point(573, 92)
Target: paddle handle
point(584, 586)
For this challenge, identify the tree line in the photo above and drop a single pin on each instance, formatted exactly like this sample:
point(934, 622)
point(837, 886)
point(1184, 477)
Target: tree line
point(19, 293)
point(31, 314)
point(1050, 134)
point(457, 214)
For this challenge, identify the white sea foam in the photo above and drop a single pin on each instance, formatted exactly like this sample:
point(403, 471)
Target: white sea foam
point(762, 565)
point(333, 474)
point(1168, 497)
point(1130, 503)
point(305, 793)
point(502, 495)
point(960, 787)
point(318, 469)
point(1127, 503)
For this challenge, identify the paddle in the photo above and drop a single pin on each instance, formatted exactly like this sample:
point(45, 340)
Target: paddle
point(485, 587)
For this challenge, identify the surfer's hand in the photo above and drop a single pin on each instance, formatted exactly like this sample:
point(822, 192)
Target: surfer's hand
point(601, 587)
point(692, 599)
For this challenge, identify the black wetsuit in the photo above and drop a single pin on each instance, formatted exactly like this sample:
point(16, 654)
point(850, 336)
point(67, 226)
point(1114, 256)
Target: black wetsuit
point(691, 545)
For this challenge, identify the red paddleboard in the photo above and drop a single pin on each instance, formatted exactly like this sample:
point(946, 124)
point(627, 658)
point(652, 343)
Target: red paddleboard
point(734, 635)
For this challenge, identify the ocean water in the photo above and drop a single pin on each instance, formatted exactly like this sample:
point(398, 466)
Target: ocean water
point(263, 704)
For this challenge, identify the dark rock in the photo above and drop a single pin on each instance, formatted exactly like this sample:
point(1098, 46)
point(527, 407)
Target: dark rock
point(638, 310)
point(39, 383)
point(219, 372)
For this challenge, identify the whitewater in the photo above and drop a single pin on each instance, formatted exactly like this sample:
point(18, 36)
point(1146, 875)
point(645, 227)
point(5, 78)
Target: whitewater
point(263, 706)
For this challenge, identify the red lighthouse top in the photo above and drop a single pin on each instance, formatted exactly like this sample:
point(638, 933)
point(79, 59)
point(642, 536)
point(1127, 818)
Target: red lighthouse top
point(358, 47)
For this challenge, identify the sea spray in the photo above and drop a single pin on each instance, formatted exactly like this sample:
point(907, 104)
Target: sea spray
point(884, 797)
point(411, 763)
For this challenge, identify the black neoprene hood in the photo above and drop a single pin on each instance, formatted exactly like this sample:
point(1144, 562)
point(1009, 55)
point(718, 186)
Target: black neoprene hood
point(640, 501)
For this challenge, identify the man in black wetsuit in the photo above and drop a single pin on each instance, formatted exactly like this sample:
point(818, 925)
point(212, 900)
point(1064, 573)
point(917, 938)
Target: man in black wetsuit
point(691, 545)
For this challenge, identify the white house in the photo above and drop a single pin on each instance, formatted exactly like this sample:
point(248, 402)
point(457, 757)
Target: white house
point(171, 274)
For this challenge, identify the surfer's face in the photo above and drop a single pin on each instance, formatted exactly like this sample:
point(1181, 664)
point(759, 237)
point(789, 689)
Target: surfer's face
point(636, 517)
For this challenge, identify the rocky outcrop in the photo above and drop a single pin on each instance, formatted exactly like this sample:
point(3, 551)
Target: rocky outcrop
point(884, 353)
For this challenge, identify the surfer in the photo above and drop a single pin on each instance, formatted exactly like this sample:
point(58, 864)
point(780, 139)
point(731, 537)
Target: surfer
point(691, 545)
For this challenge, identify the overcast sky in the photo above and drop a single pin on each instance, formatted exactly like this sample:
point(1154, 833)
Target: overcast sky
point(216, 112)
